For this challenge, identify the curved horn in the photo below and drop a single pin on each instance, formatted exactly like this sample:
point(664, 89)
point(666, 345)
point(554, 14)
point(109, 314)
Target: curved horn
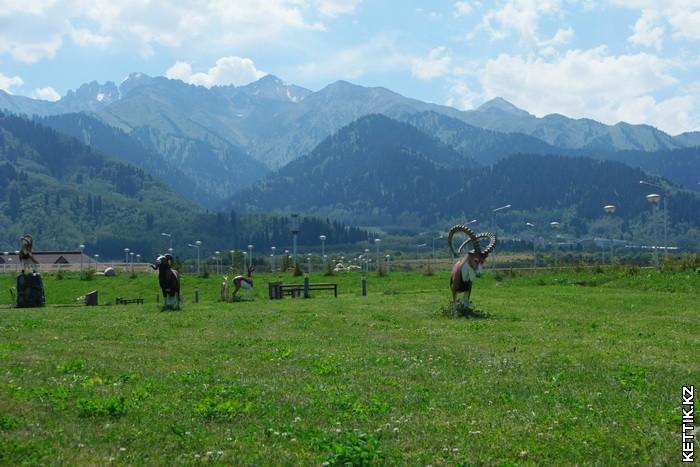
point(468, 232)
point(493, 240)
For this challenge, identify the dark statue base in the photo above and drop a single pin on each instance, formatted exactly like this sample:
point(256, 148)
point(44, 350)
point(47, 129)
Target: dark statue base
point(30, 291)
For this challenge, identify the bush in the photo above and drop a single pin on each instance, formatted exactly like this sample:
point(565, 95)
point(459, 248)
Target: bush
point(328, 269)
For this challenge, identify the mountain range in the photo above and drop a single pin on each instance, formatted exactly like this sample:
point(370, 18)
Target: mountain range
point(225, 138)
point(365, 154)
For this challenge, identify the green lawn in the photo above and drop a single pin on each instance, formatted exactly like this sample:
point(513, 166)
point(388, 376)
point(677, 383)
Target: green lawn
point(568, 368)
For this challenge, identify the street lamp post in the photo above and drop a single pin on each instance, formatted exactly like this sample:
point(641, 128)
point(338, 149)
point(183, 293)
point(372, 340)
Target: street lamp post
point(196, 245)
point(388, 263)
point(377, 241)
point(245, 262)
point(97, 261)
point(295, 233)
point(308, 263)
point(231, 252)
point(131, 255)
point(610, 209)
point(417, 254)
point(218, 263)
point(126, 255)
point(272, 259)
point(250, 256)
point(556, 226)
point(323, 245)
point(82, 247)
point(164, 234)
point(665, 197)
point(495, 230)
point(534, 245)
point(654, 199)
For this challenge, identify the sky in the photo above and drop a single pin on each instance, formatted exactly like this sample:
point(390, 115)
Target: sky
point(611, 60)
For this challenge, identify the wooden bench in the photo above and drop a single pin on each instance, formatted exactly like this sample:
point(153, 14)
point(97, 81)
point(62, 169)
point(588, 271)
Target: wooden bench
point(296, 290)
point(126, 301)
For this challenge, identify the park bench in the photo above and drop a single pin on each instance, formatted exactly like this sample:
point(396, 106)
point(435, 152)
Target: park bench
point(126, 301)
point(278, 290)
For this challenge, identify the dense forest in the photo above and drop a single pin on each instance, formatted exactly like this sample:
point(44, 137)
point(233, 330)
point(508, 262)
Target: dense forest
point(386, 172)
point(66, 193)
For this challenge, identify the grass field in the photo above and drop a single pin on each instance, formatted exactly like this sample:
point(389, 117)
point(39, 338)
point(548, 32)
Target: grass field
point(568, 368)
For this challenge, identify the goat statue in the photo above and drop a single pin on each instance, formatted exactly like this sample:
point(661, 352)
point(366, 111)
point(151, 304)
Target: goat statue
point(169, 280)
point(223, 290)
point(25, 253)
point(243, 282)
point(467, 267)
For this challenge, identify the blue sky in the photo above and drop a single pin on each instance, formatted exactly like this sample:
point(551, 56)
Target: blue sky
point(613, 60)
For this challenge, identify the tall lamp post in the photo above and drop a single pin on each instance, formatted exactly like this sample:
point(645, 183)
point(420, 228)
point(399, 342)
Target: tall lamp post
point(610, 209)
point(654, 199)
point(170, 237)
point(232, 252)
point(388, 263)
point(495, 230)
point(218, 262)
point(82, 247)
point(534, 244)
point(556, 226)
point(323, 245)
point(97, 261)
point(272, 259)
point(250, 255)
point(417, 247)
point(377, 241)
point(295, 233)
point(131, 255)
point(126, 255)
point(196, 245)
point(665, 196)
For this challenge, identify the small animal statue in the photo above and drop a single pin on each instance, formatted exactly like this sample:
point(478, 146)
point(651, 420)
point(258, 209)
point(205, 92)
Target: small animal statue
point(223, 292)
point(468, 266)
point(169, 280)
point(25, 253)
point(243, 282)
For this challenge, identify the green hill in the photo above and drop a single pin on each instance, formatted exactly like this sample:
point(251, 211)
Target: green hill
point(66, 193)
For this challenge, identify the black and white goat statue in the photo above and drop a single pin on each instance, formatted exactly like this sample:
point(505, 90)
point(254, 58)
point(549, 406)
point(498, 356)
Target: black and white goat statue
point(30, 288)
point(169, 280)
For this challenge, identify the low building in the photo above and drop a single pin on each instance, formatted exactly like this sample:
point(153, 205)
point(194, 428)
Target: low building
point(47, 260)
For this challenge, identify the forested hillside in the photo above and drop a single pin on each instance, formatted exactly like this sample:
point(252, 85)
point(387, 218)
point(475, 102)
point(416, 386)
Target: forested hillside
point(66, 193)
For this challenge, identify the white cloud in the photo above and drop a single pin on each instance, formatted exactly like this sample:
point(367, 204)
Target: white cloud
point(647, 32)
point(227, 70)
point(46, 94)
point(31, 30)
point(436, 64)
point(462, 8)
point(518, 16)
point(379, 54)
point(7, 83)
point(585, 83)
point(85, 37)
point(462, 97)
point(336, 7)
point(682, 16)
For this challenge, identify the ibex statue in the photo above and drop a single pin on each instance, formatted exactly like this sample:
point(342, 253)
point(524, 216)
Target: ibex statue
point(468, 267)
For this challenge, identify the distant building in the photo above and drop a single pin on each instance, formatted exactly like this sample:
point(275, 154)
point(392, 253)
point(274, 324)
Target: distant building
point(47, 259)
